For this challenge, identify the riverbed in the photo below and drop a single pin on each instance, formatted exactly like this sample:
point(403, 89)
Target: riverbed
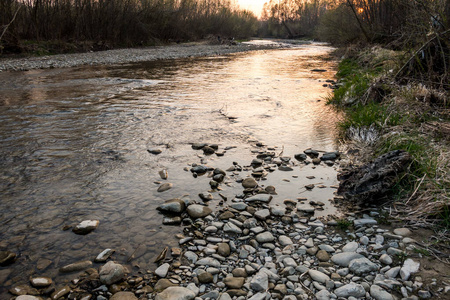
point(75, 147)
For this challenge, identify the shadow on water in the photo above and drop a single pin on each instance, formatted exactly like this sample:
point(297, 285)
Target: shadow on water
point(74, 147)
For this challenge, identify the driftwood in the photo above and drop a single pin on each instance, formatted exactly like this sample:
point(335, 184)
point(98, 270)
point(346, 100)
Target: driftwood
point(374, 180)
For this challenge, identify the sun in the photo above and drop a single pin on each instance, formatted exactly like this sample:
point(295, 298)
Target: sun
point(254, 6)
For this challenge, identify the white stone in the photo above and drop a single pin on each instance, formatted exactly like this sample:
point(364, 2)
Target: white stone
point(409, 267)
point(318, 276)
point(351, 289)
point(350, 247)
point(162, 270)
point(343, 259)
point(379, 293)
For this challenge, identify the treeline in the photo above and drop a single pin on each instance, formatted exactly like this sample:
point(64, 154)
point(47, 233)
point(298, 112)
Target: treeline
point(344, 21)
point(119, 22)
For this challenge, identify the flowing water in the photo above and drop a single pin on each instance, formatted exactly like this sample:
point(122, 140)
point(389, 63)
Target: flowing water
point(74, 147)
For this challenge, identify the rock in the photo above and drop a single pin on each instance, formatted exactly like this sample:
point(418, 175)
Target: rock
point(175, 293)
point(23, 289)
point(86, 227)
point(379, 293)
point(300, 157)
point(154, 151)
point(318, 276)
point(162, 270)
point(265, 237)
point(323, 255)
point(323, 295)
point(28, 297)
point(277, 211)
point(409, 267)
point(199, 169)
point(402, 232)
point(362, 265)
point(192, 257)
point(76, 267)
point(262, 214)
point(163, 284)
point(350, 247)
point(223, 249)
point(164, 187)
point(163, 174)
point(104, 255)
point(176, 206)
point(231, 228)
point(7, 258)
point(205, 196)
point(207, 150)
point(351, 289)
point(237, 293)
point(330, 156)
point(265, 198)
point(40, 282)
point(285, 240)
point(208, 261)
point(111, 273)
point(61, 292)
point(172, 220)
point(260, 282)
point(343, 259)
point(225, 296)
point(249, 182)
point(386, 259)
point(205, 277)
point(43, 263)
point(373, 180)
point(124, 296)
point(234, 282)
point(198, 211)
point(363, 222)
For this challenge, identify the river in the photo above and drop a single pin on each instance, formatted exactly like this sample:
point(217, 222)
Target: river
point(74, 147)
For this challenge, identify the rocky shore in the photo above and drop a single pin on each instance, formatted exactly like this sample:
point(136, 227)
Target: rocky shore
point(121, 56)
point(252, 249)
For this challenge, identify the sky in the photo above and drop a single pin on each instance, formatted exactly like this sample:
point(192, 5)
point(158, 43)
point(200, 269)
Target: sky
point(253, 5)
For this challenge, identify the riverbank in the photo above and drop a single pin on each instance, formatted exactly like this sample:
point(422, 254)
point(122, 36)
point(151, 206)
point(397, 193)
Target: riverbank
point(252, 249)
point(129, 55)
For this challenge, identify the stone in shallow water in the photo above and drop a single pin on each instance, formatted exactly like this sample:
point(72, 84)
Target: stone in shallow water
point(249, 183)
point(198, 211)
point(104, 255)
point(40, 282)
point(7, 258)
point(75, 267)
point(164, 187)
point(111, 273)
point(86, 227)
point(173, 205)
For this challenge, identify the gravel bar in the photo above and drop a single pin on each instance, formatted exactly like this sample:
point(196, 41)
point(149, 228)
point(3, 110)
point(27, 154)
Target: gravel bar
point(121, 56)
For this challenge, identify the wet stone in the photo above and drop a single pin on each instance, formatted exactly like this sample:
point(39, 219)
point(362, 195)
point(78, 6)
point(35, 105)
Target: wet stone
point(104, 255)
point(86, 227)
point(75, 267)
point(40, 282)
point(198, 211)
point(249, 183)
point(123, 296)
point(111, 273)
point(165, 187)
point(7, 258)
point(61, 292)
point(176, 206)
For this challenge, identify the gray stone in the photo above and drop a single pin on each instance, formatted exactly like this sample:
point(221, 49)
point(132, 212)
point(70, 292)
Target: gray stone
point(361, 266)
point(265, 237)
point(386, 259)
point(104, 255)
point(402, 232)
point(379, 293)
point(323, 295)
point(262, 214)
point(260, 282)
point(173, 205)
point(351, 289)
point(162, 270)
point(350, 247)
point(265, 198)
point(111, 273)
point(86, 227)
point(363, 222)
point(175, 293)
point(343, 259)
point(231, 228)
point(208, 261)
point(409, 267)
point(285, 240)
point(198, 211)
point(318, 276)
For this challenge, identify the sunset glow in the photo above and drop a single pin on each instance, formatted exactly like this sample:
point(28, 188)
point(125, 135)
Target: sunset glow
point(253, 5)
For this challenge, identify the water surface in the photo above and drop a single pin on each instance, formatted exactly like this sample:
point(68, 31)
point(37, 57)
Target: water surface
point(74, 147)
